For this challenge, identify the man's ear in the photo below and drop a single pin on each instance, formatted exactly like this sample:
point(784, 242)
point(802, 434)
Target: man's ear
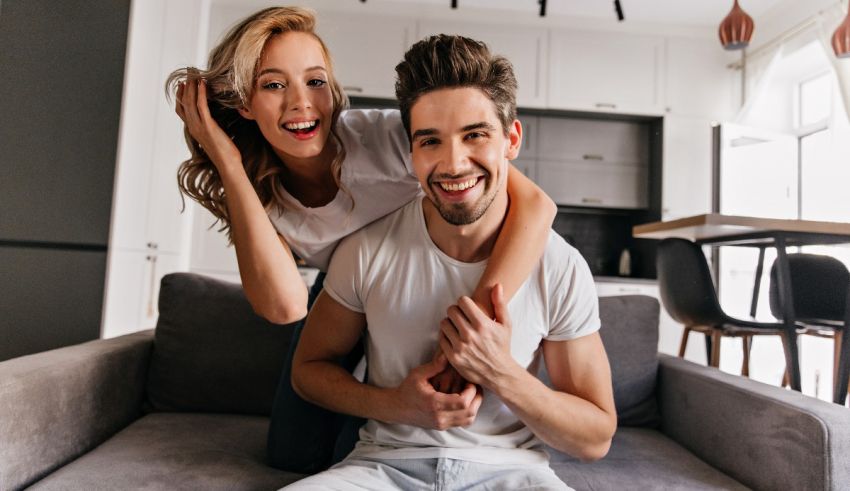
point(245, 113)
point(514, 140)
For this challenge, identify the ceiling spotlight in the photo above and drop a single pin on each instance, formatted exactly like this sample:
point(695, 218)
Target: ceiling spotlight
point(736, 30)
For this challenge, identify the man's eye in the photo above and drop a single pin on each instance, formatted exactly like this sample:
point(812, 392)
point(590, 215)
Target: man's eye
point(474, 135)
point(316, 82)
point(427, 142)
point(273, 85)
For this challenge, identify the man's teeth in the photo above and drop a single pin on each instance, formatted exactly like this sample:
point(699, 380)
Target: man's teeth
point(300, 126)
point(458, 186)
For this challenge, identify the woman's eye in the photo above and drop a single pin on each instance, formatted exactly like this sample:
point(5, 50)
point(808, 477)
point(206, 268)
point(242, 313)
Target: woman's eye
point(316, 82)
point(273, 85)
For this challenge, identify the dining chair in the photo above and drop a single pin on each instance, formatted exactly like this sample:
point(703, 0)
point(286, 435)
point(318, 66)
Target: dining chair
point(820, 289)
point(689, 296)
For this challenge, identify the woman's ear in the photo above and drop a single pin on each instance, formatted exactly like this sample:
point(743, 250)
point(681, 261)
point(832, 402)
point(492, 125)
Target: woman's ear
point(514, 140)
point(246, 113)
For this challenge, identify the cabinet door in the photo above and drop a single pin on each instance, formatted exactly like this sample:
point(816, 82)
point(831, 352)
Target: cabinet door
point(525, 48)
point(594, 184)
point(133, 295)
point(697, 80)
point(527, 167)
point(210, 252)
point(605, 71)
point(584, 139)
point(686, 176)
point(530, 125)
point(366, 50)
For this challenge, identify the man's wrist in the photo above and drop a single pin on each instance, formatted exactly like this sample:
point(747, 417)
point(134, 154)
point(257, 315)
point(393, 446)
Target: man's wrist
point(506, 380)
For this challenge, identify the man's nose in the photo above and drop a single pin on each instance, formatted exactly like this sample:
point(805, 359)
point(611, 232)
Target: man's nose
point(454, 159)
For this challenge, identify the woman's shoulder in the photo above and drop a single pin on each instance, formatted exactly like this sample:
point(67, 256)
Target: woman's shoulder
point(377, 136)
point(365, 121)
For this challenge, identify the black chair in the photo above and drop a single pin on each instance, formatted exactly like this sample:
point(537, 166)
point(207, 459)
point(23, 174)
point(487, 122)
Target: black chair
point(820, 289)
point(689, 296)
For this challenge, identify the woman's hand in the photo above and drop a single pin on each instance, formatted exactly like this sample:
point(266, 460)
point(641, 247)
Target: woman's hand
point(448, 381)
point(193, 110)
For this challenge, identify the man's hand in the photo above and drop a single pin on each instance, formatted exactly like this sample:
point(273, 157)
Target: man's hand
point(424, 407)
point(477, 346)
point(449, 380)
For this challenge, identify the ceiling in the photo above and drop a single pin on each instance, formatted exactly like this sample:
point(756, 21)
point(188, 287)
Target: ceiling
point(679, 12)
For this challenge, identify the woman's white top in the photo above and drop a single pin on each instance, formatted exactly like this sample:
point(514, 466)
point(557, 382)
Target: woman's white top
point(378, 174)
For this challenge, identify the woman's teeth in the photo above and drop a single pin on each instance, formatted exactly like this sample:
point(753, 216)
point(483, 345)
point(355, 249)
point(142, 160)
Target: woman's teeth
point(306, 125)
point(458, 186)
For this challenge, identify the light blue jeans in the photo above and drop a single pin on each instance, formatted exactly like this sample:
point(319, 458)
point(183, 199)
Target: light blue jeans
point(432, 474)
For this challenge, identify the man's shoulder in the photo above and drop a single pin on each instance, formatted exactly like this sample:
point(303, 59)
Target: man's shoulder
point(559, 253)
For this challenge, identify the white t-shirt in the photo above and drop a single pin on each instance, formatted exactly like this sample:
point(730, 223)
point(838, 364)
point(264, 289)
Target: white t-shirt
point(394, 273)
point(376, 172)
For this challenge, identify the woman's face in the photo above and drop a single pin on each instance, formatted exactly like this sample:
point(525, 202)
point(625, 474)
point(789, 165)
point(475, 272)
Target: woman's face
point(292, 101)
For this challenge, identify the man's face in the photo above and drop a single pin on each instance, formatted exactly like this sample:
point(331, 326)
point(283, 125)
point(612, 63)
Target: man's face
point(460, 151)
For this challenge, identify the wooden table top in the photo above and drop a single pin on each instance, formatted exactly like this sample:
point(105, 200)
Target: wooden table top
point(714, 226)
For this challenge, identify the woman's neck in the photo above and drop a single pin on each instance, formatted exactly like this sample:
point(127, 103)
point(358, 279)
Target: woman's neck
point(310, 180)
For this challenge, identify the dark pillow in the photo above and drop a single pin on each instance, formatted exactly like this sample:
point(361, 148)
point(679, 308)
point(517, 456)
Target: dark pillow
point(630, 335)
point(211, 352)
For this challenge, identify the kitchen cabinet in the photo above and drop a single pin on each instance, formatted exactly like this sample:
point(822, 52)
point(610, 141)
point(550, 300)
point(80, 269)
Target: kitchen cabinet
point(595, 184)
point(686, 175)
point(530, 125)
point(697, 80)
point(149, 233)
point(525, 47)
point(365, 50)
point(612, 72)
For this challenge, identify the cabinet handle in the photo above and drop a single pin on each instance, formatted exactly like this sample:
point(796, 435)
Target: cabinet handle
point(359, 90)
point(606, 105)
point(593, 157)
point(151, 306)
point(594, 201)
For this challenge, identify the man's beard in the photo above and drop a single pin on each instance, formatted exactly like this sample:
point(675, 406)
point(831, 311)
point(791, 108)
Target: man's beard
point(462, 213)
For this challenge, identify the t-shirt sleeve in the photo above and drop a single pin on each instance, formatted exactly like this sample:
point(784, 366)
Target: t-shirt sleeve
point(344, 280)
point(574, 305)
point(398, 141)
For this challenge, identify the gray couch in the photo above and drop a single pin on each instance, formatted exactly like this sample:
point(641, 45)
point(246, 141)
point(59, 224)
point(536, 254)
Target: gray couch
point(186, 407)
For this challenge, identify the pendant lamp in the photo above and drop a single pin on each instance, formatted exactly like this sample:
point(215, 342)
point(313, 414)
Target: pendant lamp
point(841, 38)
point(736, 29)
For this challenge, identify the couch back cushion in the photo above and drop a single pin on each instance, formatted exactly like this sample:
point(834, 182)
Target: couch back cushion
point(630, 335)
point(211, 352)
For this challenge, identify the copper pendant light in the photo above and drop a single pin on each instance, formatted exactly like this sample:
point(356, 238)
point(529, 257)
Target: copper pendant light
point(736, 29)
point(841, 38)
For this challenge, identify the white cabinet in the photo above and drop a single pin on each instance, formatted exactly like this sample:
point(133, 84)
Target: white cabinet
point(669, 331)
point(605, 71)
point(525, 47)
point(530, 125)
point(365, 50)
point(148, 232)
point(697, 80)
point(594, 184)
point(686, 175)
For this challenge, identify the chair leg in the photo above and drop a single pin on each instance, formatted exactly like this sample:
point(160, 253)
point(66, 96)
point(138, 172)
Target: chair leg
point(684, 343)
point(745, 366)
point(836, 353)
point(839, 392)
point(792, 358)
point(714, 361)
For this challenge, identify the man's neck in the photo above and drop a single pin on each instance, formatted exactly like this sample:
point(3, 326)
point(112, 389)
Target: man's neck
point(467, 243)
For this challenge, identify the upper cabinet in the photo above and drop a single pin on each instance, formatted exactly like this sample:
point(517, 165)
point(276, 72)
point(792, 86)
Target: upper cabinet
point(525, 47)
point(365, 51)
point(612, 72)
point(698, 82)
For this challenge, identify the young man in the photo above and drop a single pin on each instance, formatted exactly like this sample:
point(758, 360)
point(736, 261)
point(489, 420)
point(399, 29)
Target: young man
point(395, 275)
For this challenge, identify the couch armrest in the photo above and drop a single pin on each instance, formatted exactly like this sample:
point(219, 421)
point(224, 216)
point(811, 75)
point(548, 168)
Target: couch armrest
point(763, 436)
point(57, 405)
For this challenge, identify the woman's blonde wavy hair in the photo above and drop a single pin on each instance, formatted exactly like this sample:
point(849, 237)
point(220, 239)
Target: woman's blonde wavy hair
point(231, 77)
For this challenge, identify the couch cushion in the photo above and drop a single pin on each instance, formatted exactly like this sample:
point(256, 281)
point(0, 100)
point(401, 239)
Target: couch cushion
point(211, 352)
point(642, 458)
point(177, 451)
point(630, 335)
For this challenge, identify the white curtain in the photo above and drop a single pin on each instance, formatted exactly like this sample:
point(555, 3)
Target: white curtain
point(827, 22)
point(757, 73)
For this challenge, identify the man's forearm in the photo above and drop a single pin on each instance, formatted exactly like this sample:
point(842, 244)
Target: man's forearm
point(568, 423)
point(328, 385)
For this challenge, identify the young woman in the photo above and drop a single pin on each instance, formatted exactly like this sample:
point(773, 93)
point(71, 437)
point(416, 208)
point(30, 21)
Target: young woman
point(277, 158)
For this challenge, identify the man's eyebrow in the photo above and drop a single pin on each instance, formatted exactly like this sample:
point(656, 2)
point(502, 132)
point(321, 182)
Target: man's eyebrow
point(280, 72)
point(483, 125)
point(424, 132)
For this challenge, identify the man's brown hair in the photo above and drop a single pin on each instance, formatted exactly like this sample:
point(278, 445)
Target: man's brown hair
point(442, 62)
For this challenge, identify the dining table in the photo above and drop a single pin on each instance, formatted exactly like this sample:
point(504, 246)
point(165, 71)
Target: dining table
point(717, 229)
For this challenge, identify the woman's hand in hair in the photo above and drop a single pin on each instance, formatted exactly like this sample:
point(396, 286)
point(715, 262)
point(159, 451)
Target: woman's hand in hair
point(193, 110)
